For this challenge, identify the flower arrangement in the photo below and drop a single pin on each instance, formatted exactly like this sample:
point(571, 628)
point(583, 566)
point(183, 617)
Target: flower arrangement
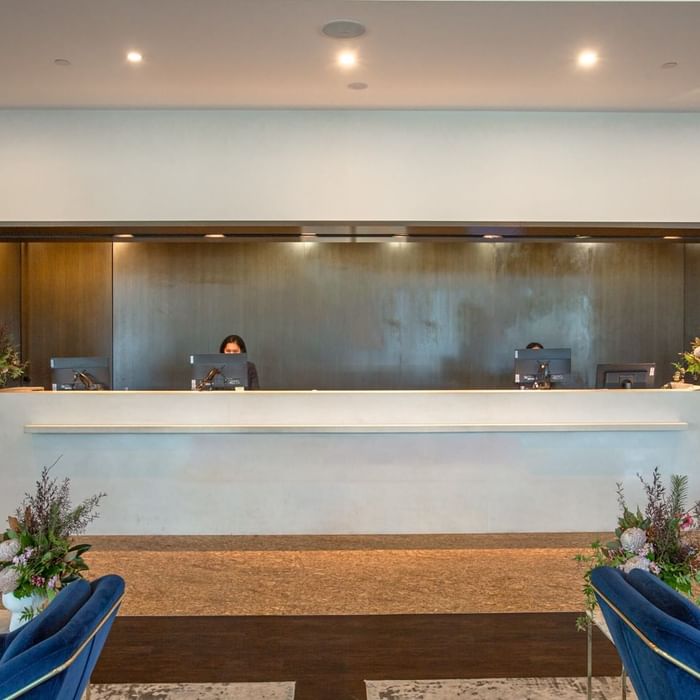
point(664, 540)
point(37, 554)
point(689, 363)
point(11, 366)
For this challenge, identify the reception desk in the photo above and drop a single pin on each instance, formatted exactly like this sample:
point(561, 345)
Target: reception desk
point(349, 462)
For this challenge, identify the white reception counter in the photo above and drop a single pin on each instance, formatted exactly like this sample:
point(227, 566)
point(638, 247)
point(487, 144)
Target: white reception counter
point(349, 462)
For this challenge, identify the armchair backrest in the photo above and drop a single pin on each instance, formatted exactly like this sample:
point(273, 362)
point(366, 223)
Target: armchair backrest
point(660, 652)
point(58, 664)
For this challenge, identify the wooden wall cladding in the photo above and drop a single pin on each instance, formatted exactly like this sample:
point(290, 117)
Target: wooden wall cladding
point(66, 303)
point(10, 307)
point(393, 315)
point(692, 292)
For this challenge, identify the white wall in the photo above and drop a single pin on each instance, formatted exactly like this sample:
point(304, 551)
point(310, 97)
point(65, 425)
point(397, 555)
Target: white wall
point(84, 165)
point(280, 472)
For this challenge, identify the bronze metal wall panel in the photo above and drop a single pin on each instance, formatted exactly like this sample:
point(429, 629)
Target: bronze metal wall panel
point(66, 303)
point(10, 267)
point(393, 315)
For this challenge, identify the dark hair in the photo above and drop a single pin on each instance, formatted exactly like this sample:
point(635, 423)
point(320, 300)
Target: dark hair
point(530, 346)
point(233, 339)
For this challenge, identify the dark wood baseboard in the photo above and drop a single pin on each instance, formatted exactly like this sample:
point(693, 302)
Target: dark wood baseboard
point(339, 652)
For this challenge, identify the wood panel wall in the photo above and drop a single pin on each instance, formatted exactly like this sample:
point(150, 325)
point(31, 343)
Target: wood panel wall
point(692, 292)
point(10, 307)
point(10, 290)
point(66, 303)
point(393, 315)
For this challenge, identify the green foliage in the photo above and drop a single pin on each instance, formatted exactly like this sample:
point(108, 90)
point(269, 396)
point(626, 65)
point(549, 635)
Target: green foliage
point(690, 361)
point(11, 365)
point(668, 546)
point(47, 559)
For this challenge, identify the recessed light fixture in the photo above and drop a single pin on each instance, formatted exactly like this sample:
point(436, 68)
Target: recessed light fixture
point(61, 62)
point(669, 65)
point(123, 235)
point(581, 236)
point(673, 238)
point(134, 57)
point(214, 235)
point(587, 58)
point(492, 236)
point(358, 86)
point(343, 29)
point(347, 59)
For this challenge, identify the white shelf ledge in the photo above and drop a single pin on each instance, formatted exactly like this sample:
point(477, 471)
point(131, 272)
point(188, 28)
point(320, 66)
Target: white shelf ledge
point(564, 427)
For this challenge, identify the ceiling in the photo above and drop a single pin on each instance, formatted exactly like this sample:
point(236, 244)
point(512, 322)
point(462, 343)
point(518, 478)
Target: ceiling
point(415, 55)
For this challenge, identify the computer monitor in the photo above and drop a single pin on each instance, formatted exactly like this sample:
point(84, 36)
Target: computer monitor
point(542, 367)
point(80, 373)
point(219, 371)
point(631, 375)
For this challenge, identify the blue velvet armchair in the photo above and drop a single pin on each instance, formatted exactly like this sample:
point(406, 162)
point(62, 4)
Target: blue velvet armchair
point(656, 632)
point(53, 655)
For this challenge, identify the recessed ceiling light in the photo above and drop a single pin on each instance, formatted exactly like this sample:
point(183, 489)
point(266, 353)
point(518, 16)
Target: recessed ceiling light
point(669, 65)
point(343, 29)
point(358, 86)
point(582, 235)
point(134, 57)
point(492, 236)
point(673, 238)
point(123, 235)
point(588, 58)
point(214, 235)
point(61, 62)
point(347, 59)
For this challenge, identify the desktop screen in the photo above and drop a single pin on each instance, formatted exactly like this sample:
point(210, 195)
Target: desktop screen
point(554, 363)
point(638, 375)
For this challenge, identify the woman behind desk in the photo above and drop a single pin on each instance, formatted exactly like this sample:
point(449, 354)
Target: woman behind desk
point(234, 344)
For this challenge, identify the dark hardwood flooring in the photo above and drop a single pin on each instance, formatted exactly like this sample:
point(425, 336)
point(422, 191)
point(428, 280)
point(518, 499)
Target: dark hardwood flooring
point(330, 656)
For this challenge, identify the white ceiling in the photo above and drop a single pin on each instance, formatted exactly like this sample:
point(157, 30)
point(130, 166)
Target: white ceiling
point(426, 55)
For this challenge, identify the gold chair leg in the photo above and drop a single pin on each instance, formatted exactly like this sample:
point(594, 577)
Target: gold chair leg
point(589, 645)
point(623, 678)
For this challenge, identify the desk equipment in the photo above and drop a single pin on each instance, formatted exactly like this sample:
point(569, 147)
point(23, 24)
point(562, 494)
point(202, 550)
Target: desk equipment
point(540, 369)
point(80, 373)
point(219, 371)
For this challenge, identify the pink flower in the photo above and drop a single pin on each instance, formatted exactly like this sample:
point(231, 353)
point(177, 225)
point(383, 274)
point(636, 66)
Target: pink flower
point(52, 582)
point(687, 522)
point(24, 557)
point(38, 581)
point(654, 568)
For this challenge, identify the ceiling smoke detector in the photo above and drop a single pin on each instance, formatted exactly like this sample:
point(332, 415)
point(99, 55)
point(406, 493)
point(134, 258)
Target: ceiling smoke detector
point(343, 29)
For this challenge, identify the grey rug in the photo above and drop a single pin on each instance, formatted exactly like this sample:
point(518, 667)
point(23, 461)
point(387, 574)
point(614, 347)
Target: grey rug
point(193, 691)
point(497, 689)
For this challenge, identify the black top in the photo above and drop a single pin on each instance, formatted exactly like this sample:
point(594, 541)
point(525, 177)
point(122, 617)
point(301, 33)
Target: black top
point(253, 382)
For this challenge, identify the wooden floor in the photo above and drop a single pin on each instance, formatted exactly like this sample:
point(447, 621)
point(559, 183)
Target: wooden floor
point(329, 657)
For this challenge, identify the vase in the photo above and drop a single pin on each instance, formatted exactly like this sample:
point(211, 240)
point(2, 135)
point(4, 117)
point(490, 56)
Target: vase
point(36, 602)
